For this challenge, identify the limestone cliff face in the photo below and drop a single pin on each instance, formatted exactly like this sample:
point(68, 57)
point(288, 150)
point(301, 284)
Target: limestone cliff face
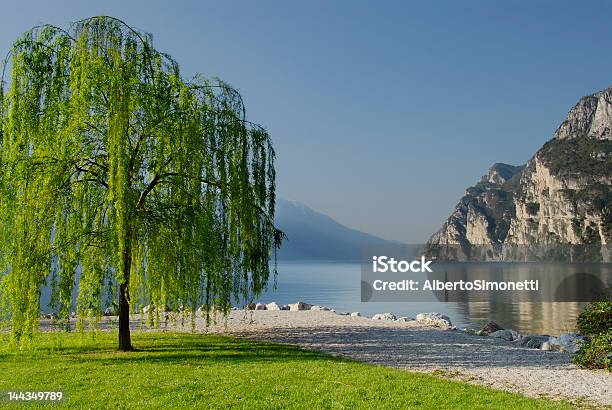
point(590, 117)
point(561, 196)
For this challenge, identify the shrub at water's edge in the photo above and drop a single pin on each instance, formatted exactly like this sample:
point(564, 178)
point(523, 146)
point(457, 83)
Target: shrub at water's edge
point(597, 354)
point(596, 318)
point(596, 321)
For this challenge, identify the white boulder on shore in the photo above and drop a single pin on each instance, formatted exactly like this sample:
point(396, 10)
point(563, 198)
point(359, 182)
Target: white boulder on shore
point(299, 306)
point(316, 307)
point(355, 314)
point(384, 316)
point(272, 306)
point(434, 319)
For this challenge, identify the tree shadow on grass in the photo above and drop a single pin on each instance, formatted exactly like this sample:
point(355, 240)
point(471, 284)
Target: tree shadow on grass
point(196, 349)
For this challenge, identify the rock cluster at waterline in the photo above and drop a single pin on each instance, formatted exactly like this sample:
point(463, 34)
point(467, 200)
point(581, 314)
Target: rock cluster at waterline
point(434, 319)
point(431, 319)
point(566, 342)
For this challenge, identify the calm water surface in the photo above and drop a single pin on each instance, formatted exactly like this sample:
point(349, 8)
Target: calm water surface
point(337, 285)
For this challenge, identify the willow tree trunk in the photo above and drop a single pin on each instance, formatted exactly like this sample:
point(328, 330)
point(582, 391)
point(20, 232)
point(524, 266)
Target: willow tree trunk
point(125, 340)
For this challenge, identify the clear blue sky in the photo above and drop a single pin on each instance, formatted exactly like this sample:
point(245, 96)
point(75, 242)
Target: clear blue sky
point(382, 113)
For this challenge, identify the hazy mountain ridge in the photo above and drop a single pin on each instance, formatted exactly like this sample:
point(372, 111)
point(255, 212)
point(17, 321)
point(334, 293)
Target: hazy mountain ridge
point(561, 195)
point(312, 235)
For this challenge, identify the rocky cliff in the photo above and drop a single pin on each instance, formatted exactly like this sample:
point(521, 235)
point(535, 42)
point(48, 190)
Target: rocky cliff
point(561, 195)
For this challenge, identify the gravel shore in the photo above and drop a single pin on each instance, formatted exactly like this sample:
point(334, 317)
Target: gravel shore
point(411, 346)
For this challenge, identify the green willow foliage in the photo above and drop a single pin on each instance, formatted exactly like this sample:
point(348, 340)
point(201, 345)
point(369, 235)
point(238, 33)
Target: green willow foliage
point(115, 168)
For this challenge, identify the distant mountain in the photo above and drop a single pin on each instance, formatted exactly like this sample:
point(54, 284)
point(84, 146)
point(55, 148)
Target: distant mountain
point(312, 235)
point(562, 195)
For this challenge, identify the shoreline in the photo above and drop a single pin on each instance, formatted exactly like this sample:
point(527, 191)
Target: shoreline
point(410, 345)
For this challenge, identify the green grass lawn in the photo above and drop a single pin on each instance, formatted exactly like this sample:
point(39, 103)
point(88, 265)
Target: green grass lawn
point(203, 371)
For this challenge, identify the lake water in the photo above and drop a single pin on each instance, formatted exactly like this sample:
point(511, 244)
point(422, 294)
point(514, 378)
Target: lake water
point(337, 285)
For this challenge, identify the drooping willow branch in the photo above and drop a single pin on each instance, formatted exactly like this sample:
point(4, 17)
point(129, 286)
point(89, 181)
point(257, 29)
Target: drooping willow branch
point(107, 156)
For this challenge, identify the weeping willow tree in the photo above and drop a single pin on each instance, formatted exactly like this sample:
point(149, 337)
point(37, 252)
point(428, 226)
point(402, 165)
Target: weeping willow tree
point(119, 177)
